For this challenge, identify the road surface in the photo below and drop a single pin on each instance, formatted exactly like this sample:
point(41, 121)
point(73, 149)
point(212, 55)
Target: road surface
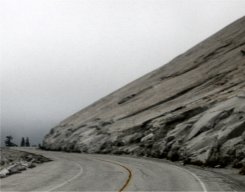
point(82, 172)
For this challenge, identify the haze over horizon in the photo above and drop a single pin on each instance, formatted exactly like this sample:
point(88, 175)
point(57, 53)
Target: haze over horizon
point(60, 56)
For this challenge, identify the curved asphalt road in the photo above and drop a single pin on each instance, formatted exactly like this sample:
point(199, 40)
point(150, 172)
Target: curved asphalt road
point(82, 172)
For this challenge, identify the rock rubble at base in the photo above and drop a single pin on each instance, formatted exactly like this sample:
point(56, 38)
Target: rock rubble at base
point(16, 168)
point(13, 161)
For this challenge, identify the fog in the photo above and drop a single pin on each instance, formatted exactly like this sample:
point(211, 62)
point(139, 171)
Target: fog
point(58, 56)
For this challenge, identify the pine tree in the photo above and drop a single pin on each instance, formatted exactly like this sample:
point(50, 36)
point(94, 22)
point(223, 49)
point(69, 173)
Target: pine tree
point(8, 141)
point(23, 143)
point(27, 142)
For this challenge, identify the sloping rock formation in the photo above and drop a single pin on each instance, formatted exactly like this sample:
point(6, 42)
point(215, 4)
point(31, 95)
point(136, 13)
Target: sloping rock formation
point(191, 109)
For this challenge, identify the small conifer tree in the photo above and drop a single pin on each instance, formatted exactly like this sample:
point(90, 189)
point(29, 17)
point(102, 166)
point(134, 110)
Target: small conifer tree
point(23, 143)
point(27, 142)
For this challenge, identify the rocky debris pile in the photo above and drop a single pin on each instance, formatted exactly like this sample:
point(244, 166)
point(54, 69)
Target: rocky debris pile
point(191, 109)
point(13, 161)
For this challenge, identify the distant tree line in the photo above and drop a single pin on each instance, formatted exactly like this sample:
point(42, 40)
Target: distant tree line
point(24, 142)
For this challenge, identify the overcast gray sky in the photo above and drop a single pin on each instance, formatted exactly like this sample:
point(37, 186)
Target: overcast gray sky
point(58, 56)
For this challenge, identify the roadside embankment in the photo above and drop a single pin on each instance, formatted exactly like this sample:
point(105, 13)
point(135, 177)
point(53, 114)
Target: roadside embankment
point(13, 161)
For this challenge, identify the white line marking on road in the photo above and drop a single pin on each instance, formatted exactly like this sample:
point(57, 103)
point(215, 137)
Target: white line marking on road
point(204, 188)
point(69, 180)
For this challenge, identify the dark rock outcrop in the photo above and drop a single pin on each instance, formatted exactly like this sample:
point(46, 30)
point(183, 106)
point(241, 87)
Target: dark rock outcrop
point(191, 109)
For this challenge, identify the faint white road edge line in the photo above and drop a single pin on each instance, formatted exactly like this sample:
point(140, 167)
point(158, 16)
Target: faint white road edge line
point(200, 181)
point(204, 188)
point(69, 180)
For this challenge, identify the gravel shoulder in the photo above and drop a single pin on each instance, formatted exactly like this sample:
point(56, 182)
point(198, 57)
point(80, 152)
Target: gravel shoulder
point(231, 174)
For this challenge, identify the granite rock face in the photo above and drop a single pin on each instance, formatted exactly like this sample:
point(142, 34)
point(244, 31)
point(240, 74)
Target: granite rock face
point(191, 109)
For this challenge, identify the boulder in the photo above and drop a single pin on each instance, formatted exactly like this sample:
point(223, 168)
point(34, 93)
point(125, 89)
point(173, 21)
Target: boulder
point(4, 172)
